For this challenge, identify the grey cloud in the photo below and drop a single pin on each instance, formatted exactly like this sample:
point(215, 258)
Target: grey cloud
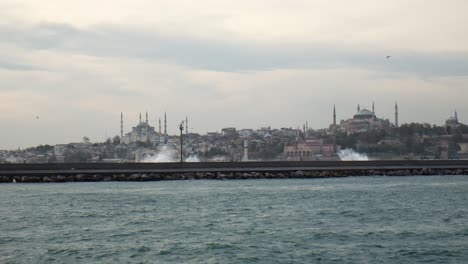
point(229, 55)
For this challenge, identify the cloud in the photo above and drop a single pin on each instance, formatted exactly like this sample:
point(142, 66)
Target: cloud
point(229, 55)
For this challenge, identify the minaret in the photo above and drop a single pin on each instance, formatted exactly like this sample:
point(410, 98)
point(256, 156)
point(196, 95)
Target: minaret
point(373, 111)
point(456, 115)
point(358, 108)
point(121, 127)
point(334, 117)
point(396, 115)
point(146, 117)
point(159, 126)
point(165, 124)
point(140, 117)
point(186, 125)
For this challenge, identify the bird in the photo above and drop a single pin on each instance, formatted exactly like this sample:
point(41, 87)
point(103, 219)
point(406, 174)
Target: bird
point(388, 57)
point(37, 117)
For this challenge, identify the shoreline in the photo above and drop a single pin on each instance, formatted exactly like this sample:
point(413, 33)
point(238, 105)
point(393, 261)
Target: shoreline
point(170, 176)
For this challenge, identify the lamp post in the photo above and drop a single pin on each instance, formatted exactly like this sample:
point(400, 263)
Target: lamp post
point(181, 127)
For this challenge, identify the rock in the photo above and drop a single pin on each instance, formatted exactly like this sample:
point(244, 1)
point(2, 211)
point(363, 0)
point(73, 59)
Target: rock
point(134, 177)
point(61, 178)
point(47, 179)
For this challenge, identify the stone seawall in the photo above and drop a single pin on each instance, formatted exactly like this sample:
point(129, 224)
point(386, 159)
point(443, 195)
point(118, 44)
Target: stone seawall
point(167, 176)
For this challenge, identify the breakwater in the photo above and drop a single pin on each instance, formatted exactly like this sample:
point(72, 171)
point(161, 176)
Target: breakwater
point(67, 172)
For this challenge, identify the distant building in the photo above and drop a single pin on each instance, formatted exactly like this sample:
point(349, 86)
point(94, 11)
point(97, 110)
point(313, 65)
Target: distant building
point(452, 124)
point(308, 150)
point(229, 132)
point(142, 132)
point(364, 120)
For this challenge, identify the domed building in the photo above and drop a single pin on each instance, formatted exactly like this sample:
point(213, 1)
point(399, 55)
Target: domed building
point(364, 120)
point(142, 132)
point(452, 124)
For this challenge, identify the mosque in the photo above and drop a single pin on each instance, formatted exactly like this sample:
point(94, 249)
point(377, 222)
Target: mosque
point(363, 120)
point(143, 132)
point(452, 124)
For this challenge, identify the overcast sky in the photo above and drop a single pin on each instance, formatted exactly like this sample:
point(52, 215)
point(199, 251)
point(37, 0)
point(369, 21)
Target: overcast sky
point(77, 64)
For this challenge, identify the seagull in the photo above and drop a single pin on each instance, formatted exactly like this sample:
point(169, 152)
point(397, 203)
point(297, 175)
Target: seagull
point(388, 57)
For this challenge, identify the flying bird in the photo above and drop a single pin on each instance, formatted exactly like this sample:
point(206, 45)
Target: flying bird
point(388, 57)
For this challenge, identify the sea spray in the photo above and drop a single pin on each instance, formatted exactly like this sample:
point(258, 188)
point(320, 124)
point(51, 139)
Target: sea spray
point(349, 154)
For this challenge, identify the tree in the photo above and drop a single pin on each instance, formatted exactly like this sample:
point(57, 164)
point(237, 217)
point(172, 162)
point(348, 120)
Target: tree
point(86, 140)
point(116, 140)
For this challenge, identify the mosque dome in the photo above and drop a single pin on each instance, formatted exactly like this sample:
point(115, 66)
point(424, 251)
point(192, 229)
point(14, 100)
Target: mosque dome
point(364, 113)
point(451, 121)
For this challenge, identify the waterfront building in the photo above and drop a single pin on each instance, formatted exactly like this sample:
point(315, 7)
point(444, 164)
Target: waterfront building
point(309, 150)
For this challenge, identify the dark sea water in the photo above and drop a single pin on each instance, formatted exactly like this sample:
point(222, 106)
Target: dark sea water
point(347, 220)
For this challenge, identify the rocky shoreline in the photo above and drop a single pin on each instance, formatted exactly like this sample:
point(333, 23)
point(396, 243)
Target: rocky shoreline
point(79, 177)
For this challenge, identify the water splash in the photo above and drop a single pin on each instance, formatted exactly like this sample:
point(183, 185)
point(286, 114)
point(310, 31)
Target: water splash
point(349, 154)
point(165, 154)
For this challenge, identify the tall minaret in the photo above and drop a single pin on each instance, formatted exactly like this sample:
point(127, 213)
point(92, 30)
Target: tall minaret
point(159, 126)
point(358, 108)
point(186, 125)
point(373, 111)
point(396, 115)
point(121, 127)
point(165, 124)
point(456, 115)
point(140, 117)
point(334, 117)
point(146, 117)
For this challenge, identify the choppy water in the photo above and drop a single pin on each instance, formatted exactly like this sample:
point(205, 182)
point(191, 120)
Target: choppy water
point(350, 220)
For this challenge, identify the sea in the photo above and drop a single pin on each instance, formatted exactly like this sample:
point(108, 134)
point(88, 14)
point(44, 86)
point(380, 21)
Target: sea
point(420, 219)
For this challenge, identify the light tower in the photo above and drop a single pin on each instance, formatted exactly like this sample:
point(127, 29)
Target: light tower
point(246, 151)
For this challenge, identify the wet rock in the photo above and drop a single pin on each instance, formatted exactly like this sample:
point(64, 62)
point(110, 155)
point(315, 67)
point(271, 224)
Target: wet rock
point(47, 179)
point(134, 177)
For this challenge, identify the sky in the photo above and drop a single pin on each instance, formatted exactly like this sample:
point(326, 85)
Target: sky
point(69, 68)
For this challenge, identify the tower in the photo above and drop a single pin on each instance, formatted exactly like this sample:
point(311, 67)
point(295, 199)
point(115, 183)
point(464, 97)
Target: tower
point(146, 117)
point(160, 126)
point(140, 117)
point(456, 115)
point(396, 115)
point(373, 111)
point(246, 151)
point(165, 124)
point(121, 127)
point(358, 108)
point(186, 125)
point(334, 117)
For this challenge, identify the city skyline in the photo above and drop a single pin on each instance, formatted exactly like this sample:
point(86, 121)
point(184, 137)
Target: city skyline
point(68, 69)
point(125, 124)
